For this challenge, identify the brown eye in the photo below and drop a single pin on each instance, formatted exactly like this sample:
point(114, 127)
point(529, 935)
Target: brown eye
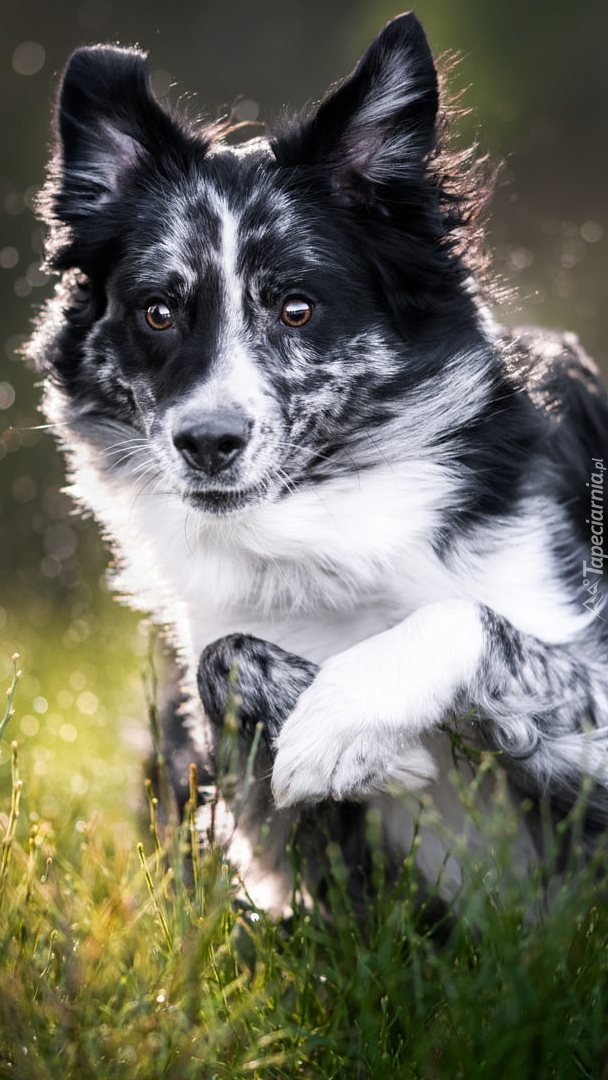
point(296, 312)
point(158, 316)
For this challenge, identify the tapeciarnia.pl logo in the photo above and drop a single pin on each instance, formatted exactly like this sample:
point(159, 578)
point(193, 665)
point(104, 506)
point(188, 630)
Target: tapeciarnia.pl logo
point(593, 571)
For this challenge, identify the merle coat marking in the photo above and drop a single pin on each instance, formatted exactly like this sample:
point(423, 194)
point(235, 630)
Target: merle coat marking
point(283, 397)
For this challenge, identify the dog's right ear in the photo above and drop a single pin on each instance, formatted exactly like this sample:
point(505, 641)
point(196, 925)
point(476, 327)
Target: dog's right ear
point(109, 126)
point(372, 134)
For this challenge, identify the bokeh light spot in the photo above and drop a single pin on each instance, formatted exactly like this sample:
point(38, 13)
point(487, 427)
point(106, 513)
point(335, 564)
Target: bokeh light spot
point(28, 58)
point(7, 395)
point(9, 257)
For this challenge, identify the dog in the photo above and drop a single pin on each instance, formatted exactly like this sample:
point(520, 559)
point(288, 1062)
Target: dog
point(361, 506)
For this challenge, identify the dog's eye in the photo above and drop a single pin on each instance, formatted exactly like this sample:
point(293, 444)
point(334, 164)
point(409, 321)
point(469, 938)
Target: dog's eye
point(296, 311)
point(158, 316)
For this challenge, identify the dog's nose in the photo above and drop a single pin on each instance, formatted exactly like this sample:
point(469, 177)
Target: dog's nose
point(213, 442)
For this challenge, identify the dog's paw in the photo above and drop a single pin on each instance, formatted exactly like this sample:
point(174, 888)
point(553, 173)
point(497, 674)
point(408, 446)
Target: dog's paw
point(362, 769)
point(358, 728)
point(336, 744)
point(261, 679)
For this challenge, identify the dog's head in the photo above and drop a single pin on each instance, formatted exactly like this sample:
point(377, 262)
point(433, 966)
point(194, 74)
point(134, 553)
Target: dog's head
point(243, 317)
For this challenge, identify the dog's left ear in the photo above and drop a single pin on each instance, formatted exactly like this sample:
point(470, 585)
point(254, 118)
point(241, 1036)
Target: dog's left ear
point(111, 132)
point(376, 129)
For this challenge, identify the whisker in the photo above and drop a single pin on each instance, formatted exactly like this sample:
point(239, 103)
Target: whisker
point(144, 466)
point(124, 444)
point(38, 427)
point(127, 456)
point(144, 486)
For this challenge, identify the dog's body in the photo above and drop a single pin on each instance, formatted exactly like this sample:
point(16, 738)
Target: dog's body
point(286, 403)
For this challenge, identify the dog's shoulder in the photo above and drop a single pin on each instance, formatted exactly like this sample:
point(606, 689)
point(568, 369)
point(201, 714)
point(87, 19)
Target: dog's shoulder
point(567, 406)
point(555, 371)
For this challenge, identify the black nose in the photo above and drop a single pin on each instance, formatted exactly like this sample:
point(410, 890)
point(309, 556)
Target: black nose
point(211, 443)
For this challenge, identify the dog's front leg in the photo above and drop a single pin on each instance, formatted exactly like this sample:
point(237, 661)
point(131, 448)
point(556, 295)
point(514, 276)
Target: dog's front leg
point(357, 728)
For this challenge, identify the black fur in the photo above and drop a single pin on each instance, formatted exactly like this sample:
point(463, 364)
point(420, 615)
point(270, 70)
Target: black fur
point(260, 682)
point(405, 497)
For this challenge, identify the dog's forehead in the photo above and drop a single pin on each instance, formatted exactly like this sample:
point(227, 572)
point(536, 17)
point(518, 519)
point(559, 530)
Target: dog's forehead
point(238, 200)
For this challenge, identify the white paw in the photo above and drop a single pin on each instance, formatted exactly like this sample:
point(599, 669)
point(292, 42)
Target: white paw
point(357, 729)
point(335, 745)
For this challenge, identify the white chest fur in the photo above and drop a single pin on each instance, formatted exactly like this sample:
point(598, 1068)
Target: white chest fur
point(326, 567)
point(316, 572)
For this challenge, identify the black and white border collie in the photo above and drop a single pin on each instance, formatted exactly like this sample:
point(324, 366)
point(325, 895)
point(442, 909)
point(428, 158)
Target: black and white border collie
point(358, 502)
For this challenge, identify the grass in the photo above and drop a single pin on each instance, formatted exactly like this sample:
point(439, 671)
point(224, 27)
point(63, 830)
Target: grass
point(122, 957)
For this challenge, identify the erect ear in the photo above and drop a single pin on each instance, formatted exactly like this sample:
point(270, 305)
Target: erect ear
point(108, 124)
point(376, 128)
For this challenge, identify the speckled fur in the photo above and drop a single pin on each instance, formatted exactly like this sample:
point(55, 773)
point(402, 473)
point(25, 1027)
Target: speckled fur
point(394, 529)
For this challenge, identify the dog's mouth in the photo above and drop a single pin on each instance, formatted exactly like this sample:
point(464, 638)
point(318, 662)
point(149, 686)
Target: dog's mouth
point(229, 501)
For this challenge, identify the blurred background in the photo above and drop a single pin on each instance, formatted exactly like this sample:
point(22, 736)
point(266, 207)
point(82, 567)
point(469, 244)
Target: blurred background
point(535, 78)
